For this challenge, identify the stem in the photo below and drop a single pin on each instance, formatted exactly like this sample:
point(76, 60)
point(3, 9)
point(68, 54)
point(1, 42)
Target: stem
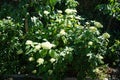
point(26, 25)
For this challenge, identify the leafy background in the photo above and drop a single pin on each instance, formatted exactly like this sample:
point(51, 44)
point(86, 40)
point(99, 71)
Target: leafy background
point(77, 45)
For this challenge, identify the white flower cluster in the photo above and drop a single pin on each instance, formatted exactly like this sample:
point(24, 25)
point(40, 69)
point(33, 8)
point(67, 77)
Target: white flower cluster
point(90, 43)
point(70, 11)
point(52, 60)
point(62, 32)
point(46, 12)
point(98, 25)
point(93, 29)
point(33, 19)
point(37, 46)
point(40, 61)
point(59, 11)
point(106, 35)
point(99, 56)
point(31, 59)
point(29, 42)
point(47, 45)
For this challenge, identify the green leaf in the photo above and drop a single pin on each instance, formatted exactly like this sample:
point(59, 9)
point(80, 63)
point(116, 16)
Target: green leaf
point(43, 53)
point(53, 54)
point(64, 39)
point(53, 2)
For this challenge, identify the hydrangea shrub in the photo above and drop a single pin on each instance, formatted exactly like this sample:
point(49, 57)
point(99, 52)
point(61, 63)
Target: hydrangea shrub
point(66, 43)
point(48, 41)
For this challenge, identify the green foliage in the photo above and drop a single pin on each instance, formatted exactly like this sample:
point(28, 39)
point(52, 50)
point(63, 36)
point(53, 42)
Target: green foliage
point(10, 45)
point(66, 41)
point(112, 8)
point(114, 50)
point(49, 42)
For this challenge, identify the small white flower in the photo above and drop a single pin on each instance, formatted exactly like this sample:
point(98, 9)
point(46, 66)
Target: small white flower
point(87, 23)
point(33, 19)
point(59, 11)
point(31, 59)
point(99, 56)
point(98, 25)
point(47, 45)
point(97, 70)
point(52, 60)
point(105, 78)
point(70, 11)
point(46, 12)
point(93, 29)
point(90, 43)
point(106, 35)
point(77, 17)
point(29, 42)
point(40, 61)
point(97, 32)
point(38, 46)
point(62, 54)
point(62, 32)
point(8, 17)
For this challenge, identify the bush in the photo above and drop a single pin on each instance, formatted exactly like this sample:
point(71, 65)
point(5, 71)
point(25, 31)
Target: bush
point(113, 51)
point(51, 42)
point(11, 46)
point(65, 41)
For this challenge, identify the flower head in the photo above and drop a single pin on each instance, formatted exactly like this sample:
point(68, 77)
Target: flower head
point(93, 29)
point(38, 46)
point(106, 35)
point(99, 56)
point(33, 19)
point(52, 60)
point(40, 61)
point(98, 25)
point(62, 32)
point(59, 11)
point(46, 12)
point(29, 42)
point(31, 59)
point(70, 11)
point(47, 45)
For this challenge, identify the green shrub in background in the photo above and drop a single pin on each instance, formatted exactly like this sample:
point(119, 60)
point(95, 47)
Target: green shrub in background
point(50, 42)
point(114, 50)
point(10, 46)
point(112, 8)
